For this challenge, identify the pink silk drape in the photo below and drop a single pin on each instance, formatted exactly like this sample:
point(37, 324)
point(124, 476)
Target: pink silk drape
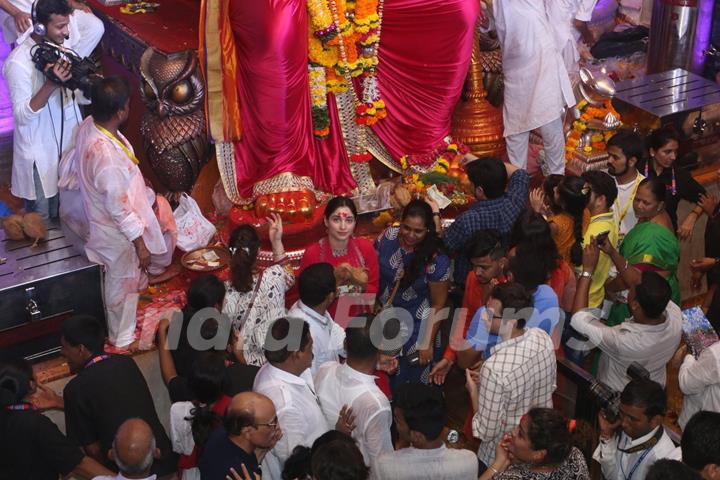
point(424, 55)
point(277, 137)
point(425, 50)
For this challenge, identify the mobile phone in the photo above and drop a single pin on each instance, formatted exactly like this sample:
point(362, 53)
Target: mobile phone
point(414, 358)
point(602, 237)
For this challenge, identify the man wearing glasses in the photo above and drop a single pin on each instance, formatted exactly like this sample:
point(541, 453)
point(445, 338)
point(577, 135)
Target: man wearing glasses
point(250, 429)
point(519, 374)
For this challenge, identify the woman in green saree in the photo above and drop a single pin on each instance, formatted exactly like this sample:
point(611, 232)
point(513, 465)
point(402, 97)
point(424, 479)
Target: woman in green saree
point(650, 245)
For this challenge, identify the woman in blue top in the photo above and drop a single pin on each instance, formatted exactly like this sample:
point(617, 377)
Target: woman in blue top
point(411, 259)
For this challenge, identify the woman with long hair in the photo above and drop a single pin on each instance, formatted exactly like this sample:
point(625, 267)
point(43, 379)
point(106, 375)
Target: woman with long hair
point(256, 298)
point(649, 245)
point(540, 447)
point(532, 238)
point(662, 146)
point(562, 202)
point(354, 259)
point(415, 277)
point(192, 422)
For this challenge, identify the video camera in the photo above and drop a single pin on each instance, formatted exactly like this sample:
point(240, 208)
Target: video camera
point(607, 398)
point(84, 71)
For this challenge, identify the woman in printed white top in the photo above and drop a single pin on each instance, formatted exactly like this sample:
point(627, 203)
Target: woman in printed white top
point(256, 298)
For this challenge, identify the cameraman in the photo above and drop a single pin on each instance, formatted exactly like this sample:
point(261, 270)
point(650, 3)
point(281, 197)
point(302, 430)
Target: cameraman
point(632, 443)
point(85, 28)
point(649, 338)
point(45, 114)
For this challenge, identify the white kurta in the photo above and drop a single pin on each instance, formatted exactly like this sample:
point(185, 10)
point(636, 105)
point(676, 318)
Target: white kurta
point(85, 29)
point(118, 212)
point(537, 87)
point(37, 136)
point(562, 15)
point(298, 411)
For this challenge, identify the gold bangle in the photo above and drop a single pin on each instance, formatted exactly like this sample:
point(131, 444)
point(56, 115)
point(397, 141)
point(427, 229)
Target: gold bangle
point(497, 472)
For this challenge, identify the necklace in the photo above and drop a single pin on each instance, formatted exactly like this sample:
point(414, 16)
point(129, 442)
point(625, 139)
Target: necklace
point(339, 252)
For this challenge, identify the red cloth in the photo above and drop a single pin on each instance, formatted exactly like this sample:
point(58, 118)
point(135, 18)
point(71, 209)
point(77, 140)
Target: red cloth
point(425, 51)
point(274, 94)
point(186, 462)
point(420, 82)
point(562, 281)
point(316, 254)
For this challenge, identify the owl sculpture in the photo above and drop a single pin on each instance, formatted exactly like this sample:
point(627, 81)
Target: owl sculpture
point(174, 125)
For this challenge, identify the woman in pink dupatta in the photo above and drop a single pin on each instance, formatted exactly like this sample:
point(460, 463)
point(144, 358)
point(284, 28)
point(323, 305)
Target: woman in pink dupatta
point(424, 55)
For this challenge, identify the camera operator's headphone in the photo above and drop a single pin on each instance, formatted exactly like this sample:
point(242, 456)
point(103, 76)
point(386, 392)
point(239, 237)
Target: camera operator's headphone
point(39, 29)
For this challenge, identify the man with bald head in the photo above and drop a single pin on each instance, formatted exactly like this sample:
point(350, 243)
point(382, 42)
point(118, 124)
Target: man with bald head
point(133, 451)
point(250, 428)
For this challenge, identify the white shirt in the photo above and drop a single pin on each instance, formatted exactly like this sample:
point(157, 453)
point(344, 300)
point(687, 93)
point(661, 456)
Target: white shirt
point(269, 304)
point(537, 86)
point(116, 202)
point(37, 139)
point(84, 29)
point(519, 374)
point(298, 410)
point(652, 346)
point(181, 435)
point(339, 384)
point(617, 465)
point(328, 337)
point(623, 206)
point(700, 382)
point(435, 464)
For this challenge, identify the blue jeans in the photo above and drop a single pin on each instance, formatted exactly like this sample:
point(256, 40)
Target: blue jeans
point(48, 208)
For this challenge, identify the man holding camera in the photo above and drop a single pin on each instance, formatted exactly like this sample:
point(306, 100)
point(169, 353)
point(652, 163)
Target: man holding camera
point(85, 28)
point(630, 444)
point(46, 115)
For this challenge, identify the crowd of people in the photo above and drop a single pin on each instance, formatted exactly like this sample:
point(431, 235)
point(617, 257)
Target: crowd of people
point(347, 381)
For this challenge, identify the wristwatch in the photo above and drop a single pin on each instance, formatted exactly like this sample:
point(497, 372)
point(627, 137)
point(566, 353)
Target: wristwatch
point(586, 274)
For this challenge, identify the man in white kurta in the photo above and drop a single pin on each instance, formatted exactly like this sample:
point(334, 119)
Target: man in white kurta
point(85, 28)
point(286, 380)
point(537, 87)
point(353, 383)
point(566, 16)
point(123, 228)
point(45, 116)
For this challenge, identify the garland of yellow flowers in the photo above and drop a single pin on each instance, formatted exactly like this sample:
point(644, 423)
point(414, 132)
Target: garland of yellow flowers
point(344, 40)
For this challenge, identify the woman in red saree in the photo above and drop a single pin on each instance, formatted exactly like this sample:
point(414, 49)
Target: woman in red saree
point(424, 55)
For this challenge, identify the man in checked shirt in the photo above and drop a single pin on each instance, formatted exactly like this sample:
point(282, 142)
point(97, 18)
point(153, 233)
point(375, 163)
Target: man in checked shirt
point(519, 374)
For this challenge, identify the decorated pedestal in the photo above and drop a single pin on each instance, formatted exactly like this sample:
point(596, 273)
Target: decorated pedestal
point(596, 121)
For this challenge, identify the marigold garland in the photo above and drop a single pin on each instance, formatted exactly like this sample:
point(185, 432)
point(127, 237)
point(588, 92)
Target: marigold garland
point(598, 139)
point(344, 38)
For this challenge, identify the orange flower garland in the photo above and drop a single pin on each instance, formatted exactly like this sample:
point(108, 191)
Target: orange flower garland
point(344, 38)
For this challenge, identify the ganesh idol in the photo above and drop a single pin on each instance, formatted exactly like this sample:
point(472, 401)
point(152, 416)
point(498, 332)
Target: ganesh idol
point(304, 93)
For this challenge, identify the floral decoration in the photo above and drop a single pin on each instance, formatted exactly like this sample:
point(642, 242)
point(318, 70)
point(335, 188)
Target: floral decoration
point(344, 39)
point(591, 121)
